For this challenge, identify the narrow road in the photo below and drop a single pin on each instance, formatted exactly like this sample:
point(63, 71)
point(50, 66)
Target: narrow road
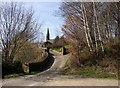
point(40, 78)
point(51, 77)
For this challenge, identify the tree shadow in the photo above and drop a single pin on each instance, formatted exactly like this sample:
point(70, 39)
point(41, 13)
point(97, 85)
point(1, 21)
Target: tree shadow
point(42, 66)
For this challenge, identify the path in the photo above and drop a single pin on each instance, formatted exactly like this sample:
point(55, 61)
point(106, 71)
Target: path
point(40, 78)
point(51, 77)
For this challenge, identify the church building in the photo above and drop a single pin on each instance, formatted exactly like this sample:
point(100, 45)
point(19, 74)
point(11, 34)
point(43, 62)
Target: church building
point(48, 43)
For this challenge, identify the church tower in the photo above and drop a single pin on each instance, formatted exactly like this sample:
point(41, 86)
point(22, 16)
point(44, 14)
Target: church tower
point(47, 35)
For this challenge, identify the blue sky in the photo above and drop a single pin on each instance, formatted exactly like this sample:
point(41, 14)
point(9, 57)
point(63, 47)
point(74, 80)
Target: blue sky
point(47, 13)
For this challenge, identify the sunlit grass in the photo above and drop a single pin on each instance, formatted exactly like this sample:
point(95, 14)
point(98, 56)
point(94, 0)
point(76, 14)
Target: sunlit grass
point(90, 72)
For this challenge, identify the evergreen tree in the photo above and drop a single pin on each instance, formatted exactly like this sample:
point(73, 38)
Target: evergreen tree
point(48, 35)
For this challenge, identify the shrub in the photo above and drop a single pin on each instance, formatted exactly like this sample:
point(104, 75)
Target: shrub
point(107, 60)
point(15, 67)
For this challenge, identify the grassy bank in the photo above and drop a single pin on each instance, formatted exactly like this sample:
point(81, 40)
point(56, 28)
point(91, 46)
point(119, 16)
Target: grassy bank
point(92, 72)
point(57, 49)
point(95, 64)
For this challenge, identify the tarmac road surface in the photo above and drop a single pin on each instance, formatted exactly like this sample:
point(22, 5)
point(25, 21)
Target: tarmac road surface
point(51, 77)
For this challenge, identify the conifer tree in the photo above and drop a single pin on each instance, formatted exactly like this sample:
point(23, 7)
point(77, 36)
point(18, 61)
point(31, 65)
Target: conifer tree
point(48, 35)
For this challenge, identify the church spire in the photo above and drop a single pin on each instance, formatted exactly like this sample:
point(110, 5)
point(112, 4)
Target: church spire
point(48, 35)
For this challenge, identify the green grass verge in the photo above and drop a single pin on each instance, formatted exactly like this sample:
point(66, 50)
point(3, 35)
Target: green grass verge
point(57, 49)
point(91, 73)
point(60, 49)
point(67, 46)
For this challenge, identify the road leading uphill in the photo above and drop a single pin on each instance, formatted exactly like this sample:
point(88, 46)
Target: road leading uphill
point(40, 78)
point(51, 77)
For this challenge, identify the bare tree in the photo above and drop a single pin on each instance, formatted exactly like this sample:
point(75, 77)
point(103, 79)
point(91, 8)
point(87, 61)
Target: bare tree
point(17, 27)
point(86, 28)
point(78, 15)
point(97, 28)
point(89, 26)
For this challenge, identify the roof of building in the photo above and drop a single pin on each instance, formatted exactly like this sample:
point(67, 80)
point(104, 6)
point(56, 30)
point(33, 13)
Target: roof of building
point(51, 41)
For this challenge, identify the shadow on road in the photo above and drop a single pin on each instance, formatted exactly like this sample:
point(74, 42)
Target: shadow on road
point(42, 66)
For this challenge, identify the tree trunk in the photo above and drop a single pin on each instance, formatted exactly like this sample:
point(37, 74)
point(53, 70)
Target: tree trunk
point(97, 25)
point(88, 29)
point(85, 29)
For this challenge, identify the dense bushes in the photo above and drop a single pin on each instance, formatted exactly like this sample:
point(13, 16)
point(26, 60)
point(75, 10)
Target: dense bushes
point(15, 67)
point(96, 64)
point(107, 60)
point(28, 53)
